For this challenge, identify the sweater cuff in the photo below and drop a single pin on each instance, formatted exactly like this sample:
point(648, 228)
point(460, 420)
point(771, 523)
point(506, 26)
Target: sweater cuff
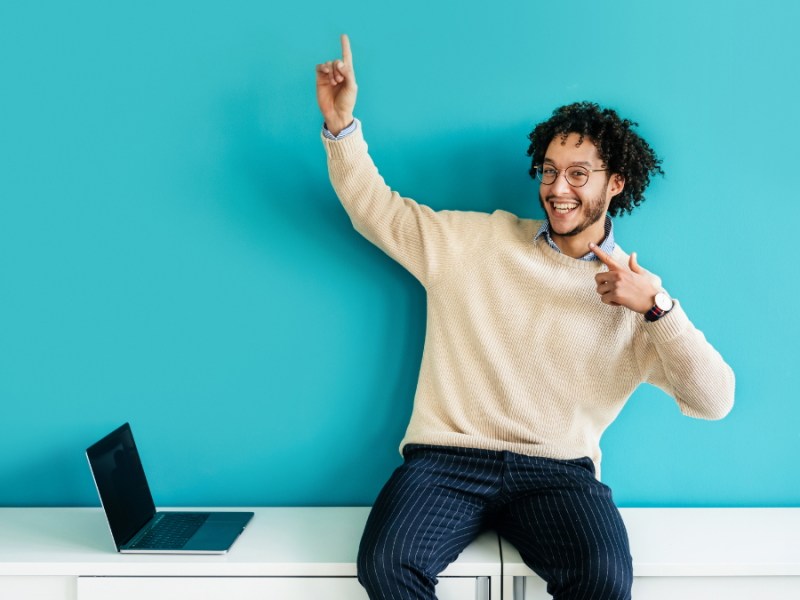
point(669, 326)
point(342, 148)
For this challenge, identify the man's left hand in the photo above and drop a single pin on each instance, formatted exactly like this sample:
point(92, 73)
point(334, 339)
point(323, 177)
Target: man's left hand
point(624, 285)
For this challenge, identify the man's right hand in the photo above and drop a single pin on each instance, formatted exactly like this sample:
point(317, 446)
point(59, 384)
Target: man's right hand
point(337, 89)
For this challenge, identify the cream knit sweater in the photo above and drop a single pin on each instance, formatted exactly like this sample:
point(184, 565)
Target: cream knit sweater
point(520, 353)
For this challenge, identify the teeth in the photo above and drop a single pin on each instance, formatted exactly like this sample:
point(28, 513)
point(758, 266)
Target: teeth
point(563, 208)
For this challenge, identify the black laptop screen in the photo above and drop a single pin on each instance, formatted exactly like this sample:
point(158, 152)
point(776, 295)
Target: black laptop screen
point(121, 483)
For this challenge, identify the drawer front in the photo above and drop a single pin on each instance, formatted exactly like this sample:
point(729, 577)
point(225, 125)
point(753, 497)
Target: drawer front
point(685, 588)
point(258, 588)
point(45, 587)
point(727, 588)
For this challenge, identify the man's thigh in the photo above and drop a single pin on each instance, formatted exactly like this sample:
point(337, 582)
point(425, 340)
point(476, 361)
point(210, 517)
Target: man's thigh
point(431, 508)
point(567, 528)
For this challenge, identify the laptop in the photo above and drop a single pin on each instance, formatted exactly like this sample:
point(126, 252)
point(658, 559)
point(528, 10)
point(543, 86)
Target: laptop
point(135, 525)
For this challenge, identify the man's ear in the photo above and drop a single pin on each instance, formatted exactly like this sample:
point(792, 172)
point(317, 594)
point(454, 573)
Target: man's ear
point(616, 183)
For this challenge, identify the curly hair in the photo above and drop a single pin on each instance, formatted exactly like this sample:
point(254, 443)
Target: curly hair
point(622, 149)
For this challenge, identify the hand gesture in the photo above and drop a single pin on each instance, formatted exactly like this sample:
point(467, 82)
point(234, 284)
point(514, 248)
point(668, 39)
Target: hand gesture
point(337, 89)
point(624, 285)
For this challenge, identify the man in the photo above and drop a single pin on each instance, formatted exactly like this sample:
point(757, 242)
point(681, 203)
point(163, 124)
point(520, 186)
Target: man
point(537, 334)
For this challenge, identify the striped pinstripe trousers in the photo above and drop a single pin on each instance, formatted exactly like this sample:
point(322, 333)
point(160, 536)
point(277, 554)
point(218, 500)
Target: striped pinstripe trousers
point(557, 514)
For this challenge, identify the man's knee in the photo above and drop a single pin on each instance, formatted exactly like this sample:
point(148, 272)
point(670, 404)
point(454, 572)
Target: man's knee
point(605, 577)
point(616, 579)
point(388, 570)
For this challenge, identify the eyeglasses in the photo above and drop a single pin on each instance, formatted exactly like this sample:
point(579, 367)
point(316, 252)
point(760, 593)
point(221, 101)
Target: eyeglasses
point(576, 176)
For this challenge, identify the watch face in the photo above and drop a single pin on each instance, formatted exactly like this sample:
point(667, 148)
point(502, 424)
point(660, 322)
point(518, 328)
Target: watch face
point(663, 301)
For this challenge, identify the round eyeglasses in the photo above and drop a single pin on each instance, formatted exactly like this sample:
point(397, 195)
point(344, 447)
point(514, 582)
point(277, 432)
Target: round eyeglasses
point(575, 176)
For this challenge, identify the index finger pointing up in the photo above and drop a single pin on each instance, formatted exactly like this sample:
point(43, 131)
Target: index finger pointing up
point(347, 54)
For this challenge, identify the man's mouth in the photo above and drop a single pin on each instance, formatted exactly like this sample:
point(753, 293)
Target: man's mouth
point(563, 208)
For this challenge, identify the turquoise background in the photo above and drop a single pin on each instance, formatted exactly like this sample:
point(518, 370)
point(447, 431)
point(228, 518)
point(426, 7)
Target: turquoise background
point(172, 254)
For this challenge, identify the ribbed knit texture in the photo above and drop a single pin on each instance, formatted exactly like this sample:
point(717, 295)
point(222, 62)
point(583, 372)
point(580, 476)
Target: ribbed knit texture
point(520, 353)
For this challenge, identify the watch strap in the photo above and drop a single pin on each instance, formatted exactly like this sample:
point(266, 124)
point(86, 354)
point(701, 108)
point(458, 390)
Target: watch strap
point(662, 305)
point(655, 313)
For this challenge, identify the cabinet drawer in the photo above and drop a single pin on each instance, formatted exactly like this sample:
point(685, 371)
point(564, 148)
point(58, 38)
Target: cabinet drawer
point(685, 588)
point(703, 588)
point(37, 587)
point(257, 588)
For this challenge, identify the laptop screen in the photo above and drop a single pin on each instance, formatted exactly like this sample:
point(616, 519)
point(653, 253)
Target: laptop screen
point(121, 483)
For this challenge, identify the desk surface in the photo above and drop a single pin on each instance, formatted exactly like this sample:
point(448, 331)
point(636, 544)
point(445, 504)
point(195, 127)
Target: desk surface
point(276, 542)
point(704, 542)
point(324, 542)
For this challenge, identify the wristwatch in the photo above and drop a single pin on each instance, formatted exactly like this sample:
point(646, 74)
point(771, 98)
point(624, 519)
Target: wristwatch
point(662, 306)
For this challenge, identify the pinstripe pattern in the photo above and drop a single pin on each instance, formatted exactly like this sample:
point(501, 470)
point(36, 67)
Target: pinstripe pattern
point(561, 519)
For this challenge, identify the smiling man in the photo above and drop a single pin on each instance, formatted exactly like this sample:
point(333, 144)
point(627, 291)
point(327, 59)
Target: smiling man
point(575, 204)
point(538, 332)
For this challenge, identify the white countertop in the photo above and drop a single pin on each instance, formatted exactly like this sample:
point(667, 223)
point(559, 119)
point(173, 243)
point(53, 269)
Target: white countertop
point(669, 542)
point(277, 542)
point(684, 542)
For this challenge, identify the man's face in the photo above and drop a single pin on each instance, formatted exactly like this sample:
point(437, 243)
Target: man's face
point(577, 211)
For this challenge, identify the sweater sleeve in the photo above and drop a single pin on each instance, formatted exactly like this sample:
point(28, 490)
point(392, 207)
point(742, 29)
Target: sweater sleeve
point(416, 236)
point(675, 356)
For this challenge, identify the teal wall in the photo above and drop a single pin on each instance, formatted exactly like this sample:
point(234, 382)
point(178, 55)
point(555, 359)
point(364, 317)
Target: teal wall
point(171, 252)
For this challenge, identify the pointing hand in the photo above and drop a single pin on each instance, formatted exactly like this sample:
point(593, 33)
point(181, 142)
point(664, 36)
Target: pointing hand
point(337, 89)
point(624, 285)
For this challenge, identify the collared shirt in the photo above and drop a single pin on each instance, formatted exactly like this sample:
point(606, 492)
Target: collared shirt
point(343, 133)
point(607, 245)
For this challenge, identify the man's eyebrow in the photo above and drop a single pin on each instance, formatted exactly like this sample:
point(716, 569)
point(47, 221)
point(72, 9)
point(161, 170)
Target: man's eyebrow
point(580, 163)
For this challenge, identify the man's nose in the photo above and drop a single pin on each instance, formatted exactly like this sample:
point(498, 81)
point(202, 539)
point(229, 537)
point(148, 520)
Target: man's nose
point(561, 185)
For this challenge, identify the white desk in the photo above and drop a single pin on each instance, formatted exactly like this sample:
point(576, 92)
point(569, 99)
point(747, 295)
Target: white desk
point(284, 553)
point(309, 553)
point(699, 554)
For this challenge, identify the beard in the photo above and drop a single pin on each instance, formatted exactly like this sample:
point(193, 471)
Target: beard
point(593, 211)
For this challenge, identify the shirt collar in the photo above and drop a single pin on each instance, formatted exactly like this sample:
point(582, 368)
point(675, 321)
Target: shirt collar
point(607, 245)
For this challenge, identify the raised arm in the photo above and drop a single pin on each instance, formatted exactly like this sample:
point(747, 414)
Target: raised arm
point(337, 89)
point(419, 238)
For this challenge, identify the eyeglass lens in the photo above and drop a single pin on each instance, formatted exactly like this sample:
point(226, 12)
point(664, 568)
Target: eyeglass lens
point(576, 176)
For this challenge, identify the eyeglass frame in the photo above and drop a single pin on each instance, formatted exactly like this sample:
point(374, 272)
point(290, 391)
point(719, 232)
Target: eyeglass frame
point(560, 171)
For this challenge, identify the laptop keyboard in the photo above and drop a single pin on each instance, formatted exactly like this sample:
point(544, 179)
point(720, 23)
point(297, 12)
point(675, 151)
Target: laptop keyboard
point(173, 530)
